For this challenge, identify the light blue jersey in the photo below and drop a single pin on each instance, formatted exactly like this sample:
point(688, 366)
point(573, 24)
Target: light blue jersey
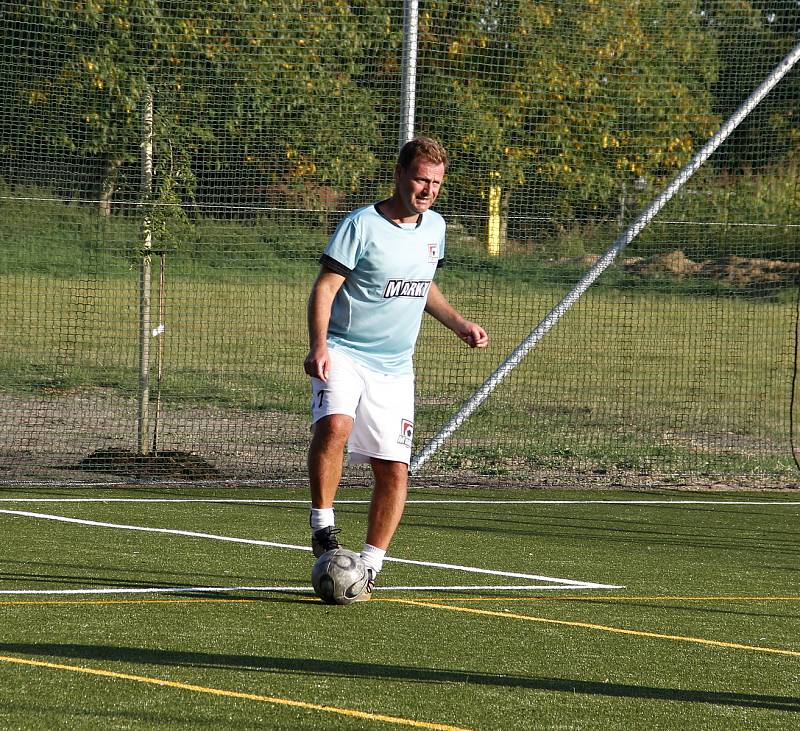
point(388, 271)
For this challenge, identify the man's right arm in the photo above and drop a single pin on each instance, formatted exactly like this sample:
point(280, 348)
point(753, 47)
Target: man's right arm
point(323, 292)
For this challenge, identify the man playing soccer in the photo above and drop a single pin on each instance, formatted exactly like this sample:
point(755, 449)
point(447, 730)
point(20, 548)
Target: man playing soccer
point(364, 315)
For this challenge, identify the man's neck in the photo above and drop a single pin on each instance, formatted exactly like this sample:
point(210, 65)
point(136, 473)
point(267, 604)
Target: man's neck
point(393, 209)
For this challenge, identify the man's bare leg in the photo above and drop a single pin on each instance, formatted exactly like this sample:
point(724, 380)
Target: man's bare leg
point(325, 461)
point(326, 458)
point(385, 510)
point(388, 501)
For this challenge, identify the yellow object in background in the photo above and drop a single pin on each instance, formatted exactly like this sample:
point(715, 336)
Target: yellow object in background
point(493, 226)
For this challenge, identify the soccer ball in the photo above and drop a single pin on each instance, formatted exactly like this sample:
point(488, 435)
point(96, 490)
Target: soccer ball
point(339, 576)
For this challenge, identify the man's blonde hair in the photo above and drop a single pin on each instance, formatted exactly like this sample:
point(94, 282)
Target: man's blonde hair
point(422, 147)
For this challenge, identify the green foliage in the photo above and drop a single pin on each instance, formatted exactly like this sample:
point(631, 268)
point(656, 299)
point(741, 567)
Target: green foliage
point(229, 82)
point(576, 101)
point(280, 105)
point(234, 249)
point(747, 214)
point(43, 236)
point(72, 241)
point(751, 37)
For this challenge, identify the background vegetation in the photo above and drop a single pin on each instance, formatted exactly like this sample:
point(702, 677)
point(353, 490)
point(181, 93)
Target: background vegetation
point(578, 113)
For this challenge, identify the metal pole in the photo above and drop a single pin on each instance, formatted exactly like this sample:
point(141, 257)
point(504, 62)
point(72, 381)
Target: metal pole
point(159, 333)
point(146, 185)
point(408, 90)
point(605, 261)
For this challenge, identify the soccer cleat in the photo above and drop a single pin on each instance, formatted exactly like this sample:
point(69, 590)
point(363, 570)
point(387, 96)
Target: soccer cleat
point(366, 595)
point(324, 540)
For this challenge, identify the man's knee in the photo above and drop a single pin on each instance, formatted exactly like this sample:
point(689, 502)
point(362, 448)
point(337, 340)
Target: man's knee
point(390, 474)
point(332, 430)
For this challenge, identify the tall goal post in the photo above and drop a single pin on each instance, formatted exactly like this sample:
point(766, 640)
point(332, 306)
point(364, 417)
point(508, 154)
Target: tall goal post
point(145, 277)
point(625, 238)
point(408, 80)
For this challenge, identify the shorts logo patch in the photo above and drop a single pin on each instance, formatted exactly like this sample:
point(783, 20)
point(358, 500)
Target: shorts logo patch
point(406, 432)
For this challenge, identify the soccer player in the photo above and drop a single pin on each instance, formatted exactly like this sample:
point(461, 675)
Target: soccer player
point(364, 315)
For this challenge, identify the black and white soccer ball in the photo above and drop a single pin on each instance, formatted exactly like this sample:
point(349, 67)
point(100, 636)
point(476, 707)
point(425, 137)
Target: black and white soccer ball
point(339, 576)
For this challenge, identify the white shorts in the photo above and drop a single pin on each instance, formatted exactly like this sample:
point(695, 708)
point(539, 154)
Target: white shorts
point(382, 408)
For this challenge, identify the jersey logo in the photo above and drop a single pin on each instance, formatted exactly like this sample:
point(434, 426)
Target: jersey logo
point(433, 253)
point(406, 288)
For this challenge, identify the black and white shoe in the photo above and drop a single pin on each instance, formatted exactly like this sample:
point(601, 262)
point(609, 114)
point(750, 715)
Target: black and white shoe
point(324, 540)
point(366, 595)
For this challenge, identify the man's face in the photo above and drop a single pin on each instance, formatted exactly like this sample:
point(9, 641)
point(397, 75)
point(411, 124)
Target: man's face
point(418, 185)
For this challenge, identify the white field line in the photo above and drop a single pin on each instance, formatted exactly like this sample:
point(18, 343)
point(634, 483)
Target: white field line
point(510, 574)
point(272, 544)
point(295, 501)
point(148, 529)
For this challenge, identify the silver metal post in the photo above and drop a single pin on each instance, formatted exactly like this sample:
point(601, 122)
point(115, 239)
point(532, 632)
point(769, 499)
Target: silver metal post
point(408, 90)
point(145, 276)
point(159, 333)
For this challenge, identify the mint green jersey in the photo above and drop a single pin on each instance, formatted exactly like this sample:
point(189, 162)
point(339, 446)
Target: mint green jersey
point(388, 270)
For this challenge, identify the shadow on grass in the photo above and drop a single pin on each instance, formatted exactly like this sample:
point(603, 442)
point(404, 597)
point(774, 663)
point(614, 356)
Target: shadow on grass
point(347, 669)
point(59, 577)
point(622, 531)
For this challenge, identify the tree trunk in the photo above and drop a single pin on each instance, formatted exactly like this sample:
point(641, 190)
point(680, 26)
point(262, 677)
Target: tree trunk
point(109, 185)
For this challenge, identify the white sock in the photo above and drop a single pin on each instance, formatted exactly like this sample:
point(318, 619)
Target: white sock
point(322, 518)
point(373, 558)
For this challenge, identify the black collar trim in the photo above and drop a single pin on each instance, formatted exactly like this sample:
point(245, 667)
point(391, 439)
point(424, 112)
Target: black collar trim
point(380, 213)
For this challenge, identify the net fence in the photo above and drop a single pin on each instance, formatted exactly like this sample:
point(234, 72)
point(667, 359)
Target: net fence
point(170, 173)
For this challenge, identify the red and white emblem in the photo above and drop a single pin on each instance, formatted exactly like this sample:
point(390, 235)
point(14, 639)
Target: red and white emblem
point(406, 432)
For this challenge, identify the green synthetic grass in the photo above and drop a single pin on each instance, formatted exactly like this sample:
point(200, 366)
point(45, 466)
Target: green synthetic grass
point(704, 634)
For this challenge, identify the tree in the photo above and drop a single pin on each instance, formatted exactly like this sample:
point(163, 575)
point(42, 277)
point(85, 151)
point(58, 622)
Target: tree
point(752, 37)
point(251, 100)
point(565, 103)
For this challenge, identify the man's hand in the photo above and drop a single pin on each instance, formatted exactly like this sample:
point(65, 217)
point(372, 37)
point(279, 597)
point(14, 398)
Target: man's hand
point(473, 335)
point(318, 364)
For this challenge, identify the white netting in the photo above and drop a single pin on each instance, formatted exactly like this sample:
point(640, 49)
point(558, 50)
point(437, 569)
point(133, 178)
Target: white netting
point(563, 122)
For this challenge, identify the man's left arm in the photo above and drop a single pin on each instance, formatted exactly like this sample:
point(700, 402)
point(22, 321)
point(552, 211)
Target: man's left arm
point(438, 307)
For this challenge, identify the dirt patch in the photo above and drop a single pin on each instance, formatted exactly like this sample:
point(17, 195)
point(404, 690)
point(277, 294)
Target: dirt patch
point(170, 464)
point(736, 270)
point(674, 263)
point(747, 272)
point(64, 435)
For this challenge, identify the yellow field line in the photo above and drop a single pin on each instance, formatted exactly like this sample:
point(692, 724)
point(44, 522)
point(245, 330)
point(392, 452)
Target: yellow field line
point(600, 627)
point(629, 598)
point(233, 694)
